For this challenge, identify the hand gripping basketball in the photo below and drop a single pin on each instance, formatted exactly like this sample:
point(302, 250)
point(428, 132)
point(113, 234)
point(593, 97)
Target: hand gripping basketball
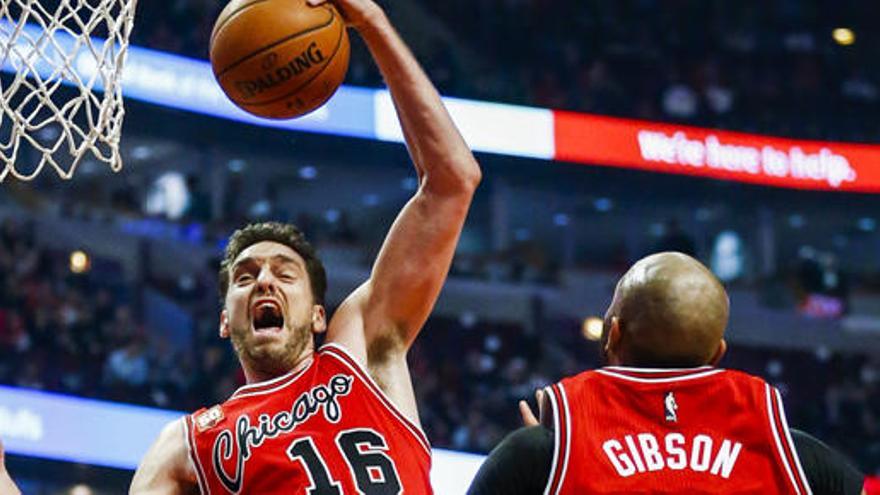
point(357, 13)
point(279, 59)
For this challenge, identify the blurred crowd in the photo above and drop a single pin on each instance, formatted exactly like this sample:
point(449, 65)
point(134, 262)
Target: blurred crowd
point(772, 68)
point(767, 67)
point(84, 334)
point(75, 333)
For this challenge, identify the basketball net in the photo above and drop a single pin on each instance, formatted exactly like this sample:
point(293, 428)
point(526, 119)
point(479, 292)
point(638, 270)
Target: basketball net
point(60, 87)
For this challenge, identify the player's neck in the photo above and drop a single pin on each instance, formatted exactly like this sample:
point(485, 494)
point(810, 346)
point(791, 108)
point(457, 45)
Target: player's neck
point(253, 376)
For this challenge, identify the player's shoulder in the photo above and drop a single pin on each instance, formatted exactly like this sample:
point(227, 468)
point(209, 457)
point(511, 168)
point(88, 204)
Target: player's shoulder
point(334, 355)
point(740, 378)
point(583, 376)
point(165, 464)
point(573, 383)
point(173, 434)
point(748, 391)
point(740, 375)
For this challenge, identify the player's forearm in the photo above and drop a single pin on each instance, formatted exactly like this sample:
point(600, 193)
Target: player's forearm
point(439, 152)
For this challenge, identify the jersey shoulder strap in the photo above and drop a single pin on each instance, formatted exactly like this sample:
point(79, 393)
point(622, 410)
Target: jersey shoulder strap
point(561, 422)
point(785, 449)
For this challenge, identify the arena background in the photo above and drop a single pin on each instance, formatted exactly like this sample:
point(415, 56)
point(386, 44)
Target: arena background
point(606, 130)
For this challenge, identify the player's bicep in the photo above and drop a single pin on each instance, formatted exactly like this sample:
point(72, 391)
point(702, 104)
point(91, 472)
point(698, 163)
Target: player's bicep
point(165, 468)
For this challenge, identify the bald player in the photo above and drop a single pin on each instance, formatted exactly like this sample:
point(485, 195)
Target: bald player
point(660, 417)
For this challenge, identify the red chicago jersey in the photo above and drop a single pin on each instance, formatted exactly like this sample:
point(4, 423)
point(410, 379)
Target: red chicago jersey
point(701, 430)
point(325, 430)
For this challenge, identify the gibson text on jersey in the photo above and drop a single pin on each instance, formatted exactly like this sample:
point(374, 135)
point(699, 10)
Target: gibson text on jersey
point(643, 452)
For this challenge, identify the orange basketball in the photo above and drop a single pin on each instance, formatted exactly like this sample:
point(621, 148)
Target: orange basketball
point(279, 59)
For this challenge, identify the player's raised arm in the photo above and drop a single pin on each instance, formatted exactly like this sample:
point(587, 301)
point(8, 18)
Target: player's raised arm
point(7, 486)
point(415, 258)
point(165, 469)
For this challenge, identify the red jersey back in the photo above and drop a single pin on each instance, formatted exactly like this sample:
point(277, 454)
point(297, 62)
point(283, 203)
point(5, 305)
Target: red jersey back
point(326, 430)
point(701, 430)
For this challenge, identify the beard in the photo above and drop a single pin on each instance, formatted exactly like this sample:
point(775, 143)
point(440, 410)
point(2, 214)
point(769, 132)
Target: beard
point(272, 358)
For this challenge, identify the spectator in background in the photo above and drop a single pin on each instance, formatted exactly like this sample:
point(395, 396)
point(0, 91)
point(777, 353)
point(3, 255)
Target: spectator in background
point(680, 101)
point(199, 206)
point(834, 282)
point(127, 368)
point(728, 258)
point(823, 285)
point(808, 270)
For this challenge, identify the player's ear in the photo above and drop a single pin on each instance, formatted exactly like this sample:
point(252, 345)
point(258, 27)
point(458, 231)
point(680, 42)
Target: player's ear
point(612, 343)
point(319, 319)
point(719, 353)
point(224, 324)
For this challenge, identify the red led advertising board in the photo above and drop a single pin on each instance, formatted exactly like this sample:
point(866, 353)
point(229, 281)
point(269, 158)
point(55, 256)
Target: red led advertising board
point(717, 154)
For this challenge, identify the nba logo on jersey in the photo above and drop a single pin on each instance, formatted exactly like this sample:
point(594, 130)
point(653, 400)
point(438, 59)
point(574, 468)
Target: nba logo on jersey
point(671, 407)
point(209, 418)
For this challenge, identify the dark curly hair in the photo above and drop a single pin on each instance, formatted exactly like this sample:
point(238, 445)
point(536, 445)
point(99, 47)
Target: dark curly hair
point(281, 233)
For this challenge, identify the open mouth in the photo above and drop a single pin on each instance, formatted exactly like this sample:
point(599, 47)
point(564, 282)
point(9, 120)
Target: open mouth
point(267, 316)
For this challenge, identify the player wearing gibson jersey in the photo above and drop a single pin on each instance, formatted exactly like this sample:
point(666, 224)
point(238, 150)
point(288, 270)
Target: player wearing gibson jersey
point(660, 418)
point(342, 418)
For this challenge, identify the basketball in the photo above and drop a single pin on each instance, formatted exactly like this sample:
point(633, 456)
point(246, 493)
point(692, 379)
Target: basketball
point(279, 59)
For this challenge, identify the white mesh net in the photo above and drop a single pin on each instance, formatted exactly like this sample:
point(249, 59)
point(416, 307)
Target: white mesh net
point(60, 84)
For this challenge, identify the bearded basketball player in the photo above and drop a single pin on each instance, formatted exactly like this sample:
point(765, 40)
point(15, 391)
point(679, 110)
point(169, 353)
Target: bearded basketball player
point(661, 418)
point(341, 419)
